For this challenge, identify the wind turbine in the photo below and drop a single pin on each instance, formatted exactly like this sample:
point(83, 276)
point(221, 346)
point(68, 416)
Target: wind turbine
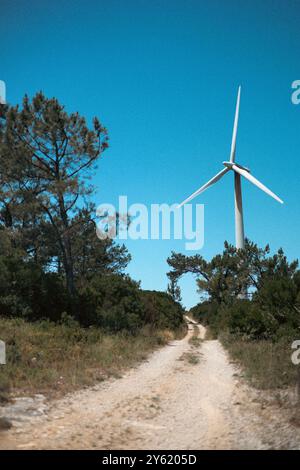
point(239, 171)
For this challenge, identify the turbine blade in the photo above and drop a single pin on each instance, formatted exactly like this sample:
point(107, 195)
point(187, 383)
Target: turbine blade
point(235, 126)
point(205, 186)
point(255, 181)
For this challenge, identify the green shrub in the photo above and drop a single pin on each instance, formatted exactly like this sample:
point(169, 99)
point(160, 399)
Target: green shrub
point(29, 292)
point(253, 319)
point(279, 297)
point(205, 312)
point(111, 302)
point(116, 303)
point(247, 318)
point(160, 310)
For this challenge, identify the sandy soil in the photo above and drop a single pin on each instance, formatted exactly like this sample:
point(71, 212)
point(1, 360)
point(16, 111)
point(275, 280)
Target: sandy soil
point(185, 396)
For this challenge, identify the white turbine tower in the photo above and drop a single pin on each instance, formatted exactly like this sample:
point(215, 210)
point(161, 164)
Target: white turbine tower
point(2, 92)
point(239, 171)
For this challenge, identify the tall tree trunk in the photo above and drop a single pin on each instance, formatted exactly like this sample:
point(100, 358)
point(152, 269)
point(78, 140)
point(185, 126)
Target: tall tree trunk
point(67, 251)
point(69, 269)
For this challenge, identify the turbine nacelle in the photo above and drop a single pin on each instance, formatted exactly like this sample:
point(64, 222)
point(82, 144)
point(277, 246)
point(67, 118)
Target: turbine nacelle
point(229, 165)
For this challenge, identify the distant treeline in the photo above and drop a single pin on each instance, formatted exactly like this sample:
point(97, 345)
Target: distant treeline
point(247, 292)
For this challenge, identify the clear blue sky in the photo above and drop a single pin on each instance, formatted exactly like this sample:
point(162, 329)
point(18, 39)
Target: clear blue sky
point(163, 76)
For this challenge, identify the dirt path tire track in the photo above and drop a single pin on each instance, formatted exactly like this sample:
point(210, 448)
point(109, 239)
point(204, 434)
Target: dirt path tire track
point(165, 403)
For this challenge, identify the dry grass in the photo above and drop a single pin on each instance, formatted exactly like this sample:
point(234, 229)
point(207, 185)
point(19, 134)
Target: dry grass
point(190, 357)
point(195, 340)
point(193, 356)
point(266, 364)
point(209, 334)
point(55, 359)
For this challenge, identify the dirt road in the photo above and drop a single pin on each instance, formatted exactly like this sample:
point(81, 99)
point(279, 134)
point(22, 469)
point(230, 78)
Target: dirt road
point(188, 395)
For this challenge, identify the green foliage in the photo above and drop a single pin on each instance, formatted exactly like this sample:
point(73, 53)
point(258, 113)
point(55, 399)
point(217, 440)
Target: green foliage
point(274, 310)
point(116, 303)
point(112, 302)
point(27, 291)
point(108, 300)
point(205, 312)
point(47, 156)
point(225, 276)
point(52, 265)
point(161, 311)
point(173, 289)
point(279, 297)
point(246, 318)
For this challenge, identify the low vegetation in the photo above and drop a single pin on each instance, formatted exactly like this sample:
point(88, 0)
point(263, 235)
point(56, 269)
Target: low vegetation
point(193, 356)
point(267, 364)
point(195, 340)
point(190, 357)
point(44, 357)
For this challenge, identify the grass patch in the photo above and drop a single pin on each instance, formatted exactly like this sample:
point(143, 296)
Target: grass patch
point(5, 424)
point(190, 357)
point(195, 340)
point(209, 334)
point(266, 364)
point(55, 359)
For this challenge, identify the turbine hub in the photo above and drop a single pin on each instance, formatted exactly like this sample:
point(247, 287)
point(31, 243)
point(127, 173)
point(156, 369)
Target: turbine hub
point(228, 164)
